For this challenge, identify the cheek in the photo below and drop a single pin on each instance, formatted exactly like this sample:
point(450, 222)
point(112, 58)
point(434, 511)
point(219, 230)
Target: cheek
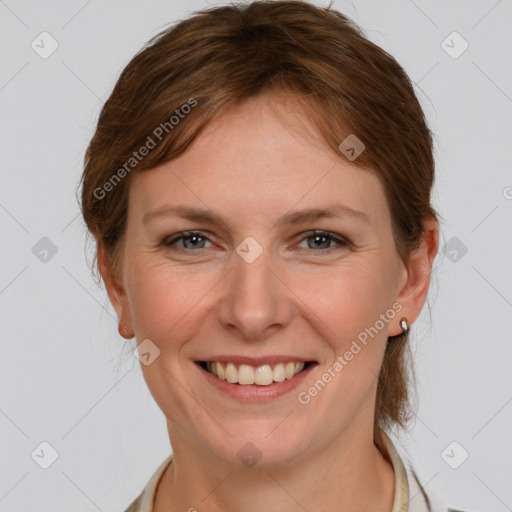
point(168, 303)
point(347, 300)
point(158, 300)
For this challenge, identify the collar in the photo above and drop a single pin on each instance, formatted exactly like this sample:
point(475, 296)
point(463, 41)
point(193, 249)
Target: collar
point(401, 500)
point(144, 503)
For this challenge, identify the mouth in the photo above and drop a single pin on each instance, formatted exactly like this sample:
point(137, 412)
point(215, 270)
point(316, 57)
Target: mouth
point(255, 376)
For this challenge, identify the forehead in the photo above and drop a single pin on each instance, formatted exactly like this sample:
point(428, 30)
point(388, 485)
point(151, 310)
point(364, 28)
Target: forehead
point(256, 158)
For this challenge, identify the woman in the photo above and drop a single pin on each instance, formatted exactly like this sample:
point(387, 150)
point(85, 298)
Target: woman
point(258, 187)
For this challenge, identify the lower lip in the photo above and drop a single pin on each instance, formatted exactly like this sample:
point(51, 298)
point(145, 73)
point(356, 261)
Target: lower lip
point(253, 392)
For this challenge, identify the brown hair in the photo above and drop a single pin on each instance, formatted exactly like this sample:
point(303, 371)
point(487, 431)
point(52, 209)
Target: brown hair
point(223, 55)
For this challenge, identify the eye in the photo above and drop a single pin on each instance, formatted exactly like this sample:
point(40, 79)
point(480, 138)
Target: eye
point(194, 240)
point(320, 238)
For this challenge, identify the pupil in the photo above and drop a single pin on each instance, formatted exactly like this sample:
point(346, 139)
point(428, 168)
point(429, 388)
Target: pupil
point(193, 238)
point(320, 237)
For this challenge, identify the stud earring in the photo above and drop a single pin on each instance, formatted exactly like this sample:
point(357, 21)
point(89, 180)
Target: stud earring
point(404, 325)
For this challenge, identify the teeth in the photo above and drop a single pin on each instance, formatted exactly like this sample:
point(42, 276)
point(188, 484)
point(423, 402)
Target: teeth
point(262, 375)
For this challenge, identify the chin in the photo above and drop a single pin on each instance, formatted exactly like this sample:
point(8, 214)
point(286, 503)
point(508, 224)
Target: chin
point(256, 448)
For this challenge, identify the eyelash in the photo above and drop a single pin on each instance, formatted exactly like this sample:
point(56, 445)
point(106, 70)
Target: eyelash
point(341, 241)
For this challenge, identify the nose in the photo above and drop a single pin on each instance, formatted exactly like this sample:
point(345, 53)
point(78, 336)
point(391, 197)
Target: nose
point(255, 300)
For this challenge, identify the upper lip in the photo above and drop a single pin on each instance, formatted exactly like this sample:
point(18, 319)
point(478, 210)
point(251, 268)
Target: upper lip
point(258, 361)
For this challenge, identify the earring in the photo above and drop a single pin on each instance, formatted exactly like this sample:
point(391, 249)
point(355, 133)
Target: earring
point(404, 325)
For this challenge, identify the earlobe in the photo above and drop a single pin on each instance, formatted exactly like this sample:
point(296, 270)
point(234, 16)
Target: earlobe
point(124, 332)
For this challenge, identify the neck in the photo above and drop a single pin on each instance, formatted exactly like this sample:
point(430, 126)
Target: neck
point(351, 476)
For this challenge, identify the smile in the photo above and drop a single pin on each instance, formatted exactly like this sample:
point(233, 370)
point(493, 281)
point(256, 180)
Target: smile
point(255, 393)
point(262, 375)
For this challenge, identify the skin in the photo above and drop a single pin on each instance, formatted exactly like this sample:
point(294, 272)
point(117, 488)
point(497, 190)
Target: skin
point(252, 166)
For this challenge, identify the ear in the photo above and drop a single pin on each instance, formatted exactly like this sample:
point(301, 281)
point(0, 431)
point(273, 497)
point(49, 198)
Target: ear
point(116, 292)
point(415, 279)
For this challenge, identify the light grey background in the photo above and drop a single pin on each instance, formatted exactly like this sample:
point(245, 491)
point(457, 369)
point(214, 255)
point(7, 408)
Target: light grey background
point(67, 378)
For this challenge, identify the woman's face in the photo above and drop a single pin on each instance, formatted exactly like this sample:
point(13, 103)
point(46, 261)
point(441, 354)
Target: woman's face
point(257, 284)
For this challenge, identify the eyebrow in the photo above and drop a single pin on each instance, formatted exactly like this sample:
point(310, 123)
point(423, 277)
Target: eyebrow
point(294, 217)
